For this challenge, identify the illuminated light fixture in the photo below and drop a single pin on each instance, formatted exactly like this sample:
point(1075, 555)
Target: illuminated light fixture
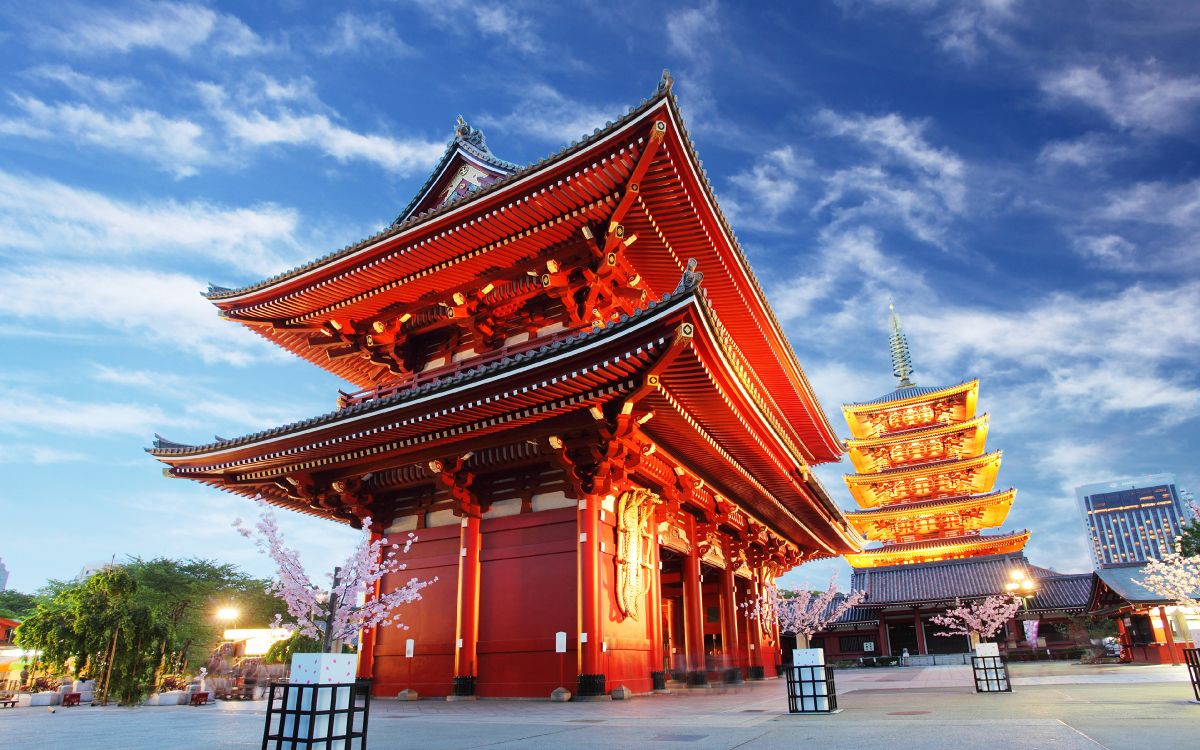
point(228, 613)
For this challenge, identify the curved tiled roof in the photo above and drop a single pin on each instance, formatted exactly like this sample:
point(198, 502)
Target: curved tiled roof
point(470, 143)
point(931, 467)
point(217, 293)
point(967, 579)
point(928, 504)
point(164, 447)
point(910, 391)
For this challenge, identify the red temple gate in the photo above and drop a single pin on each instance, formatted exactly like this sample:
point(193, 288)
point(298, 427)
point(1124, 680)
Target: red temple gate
point(585, 433)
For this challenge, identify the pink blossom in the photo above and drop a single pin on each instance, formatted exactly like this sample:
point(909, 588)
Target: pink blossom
point(1174, 577)
point(800, 612)
point(353, 595)
point(982, 616)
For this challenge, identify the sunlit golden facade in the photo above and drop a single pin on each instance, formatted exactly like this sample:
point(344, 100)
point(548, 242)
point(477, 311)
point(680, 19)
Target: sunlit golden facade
point(924, 482)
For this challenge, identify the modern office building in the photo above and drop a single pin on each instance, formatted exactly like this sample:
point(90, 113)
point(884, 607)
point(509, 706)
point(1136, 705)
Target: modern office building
point(1131, 521)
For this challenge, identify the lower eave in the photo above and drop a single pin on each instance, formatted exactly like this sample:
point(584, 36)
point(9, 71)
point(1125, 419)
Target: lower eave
point(940, 549)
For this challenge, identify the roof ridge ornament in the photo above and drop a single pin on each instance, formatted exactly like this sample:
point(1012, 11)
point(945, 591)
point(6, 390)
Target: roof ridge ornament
point(666, 82)
point(901, 359)
point(691, 278)
point(474, 136)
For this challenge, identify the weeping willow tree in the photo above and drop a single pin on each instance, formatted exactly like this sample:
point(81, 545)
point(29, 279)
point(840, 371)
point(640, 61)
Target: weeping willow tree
point(99, 630)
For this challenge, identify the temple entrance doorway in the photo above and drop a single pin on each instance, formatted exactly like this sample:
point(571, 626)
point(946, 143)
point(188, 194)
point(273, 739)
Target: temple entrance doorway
point(674, 642)
point(903, 635)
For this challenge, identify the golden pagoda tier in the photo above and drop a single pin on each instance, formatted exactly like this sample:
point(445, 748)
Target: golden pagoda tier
point(957, 440)
point(924, 480)
point(932, 550)
point(889, 523)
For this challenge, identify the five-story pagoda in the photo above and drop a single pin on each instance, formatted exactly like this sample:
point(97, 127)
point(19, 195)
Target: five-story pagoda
point(924, 481)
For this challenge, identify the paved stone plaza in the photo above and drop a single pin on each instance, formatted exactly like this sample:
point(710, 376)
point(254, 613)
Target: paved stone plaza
point(1053, 706)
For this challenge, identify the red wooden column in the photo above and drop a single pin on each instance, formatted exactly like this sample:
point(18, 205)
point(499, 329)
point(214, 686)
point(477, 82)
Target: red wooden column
point(729, 624)
point(656, 634)
point(885, 648)
point(591, 677)
point(744, 624)
point(693, 616)
point(922, 647)
point(466, 653)
point(1162, 617)
point(367, 637)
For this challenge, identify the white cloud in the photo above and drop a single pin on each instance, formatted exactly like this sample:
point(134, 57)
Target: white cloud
point(1088, 152)
point(158, 309)
point(1134, 96)
point(961, 28)
point(544, 113)
point(362, 35)
point(493, 19)
point(253, 128)
point(48, 217)
point(82, 84)
point(1157, 203)
point(203, 406)
point(690, 32)
point(174, 144)
point(1087, 355)
point(175, 28)
point(907, 181)
point(1110, 250)
point(38, 455)
point(849, 272)
point(21, 411)
point(772, 185)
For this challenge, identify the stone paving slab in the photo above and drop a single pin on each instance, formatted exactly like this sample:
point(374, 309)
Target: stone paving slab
point(1103, 713)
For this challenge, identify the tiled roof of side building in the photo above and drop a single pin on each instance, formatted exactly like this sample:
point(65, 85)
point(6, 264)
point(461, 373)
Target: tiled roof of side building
point(937, 581)
point(1126, 582)
point(1067, 592)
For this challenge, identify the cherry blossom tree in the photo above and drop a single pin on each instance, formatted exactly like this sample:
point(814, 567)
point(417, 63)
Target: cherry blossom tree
point(1175, 577)
point(983, 617)
point(802, 612)
point(350, 604)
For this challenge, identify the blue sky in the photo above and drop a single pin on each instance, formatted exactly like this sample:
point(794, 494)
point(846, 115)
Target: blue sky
point(1021, 179)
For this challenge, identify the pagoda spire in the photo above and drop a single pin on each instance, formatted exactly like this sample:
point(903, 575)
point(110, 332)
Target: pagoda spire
point(901, 359)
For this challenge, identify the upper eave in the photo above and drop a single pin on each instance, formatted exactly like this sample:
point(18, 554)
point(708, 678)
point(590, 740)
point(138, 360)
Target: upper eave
point(962, 546)
point(941, 504)
point(898, 399)
point(919, 433)
point(731, 283)
point(748, 452)
point(929, 468)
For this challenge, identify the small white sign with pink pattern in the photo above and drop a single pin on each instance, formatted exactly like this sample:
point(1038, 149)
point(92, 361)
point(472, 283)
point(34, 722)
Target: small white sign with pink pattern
point(323, 669)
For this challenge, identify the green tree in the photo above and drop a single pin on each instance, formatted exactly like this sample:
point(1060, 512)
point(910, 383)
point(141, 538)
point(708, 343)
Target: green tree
point(99, 628)
point(297, 643)
point(1189, 542)
point(16, 605)
point(185, 594)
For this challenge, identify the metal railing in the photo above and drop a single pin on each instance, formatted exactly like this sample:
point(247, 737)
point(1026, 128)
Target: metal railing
point(317, 717)
point(811, 689)
point(991, 674)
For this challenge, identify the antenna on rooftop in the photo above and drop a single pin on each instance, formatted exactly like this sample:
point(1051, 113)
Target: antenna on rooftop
point(901, 359)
